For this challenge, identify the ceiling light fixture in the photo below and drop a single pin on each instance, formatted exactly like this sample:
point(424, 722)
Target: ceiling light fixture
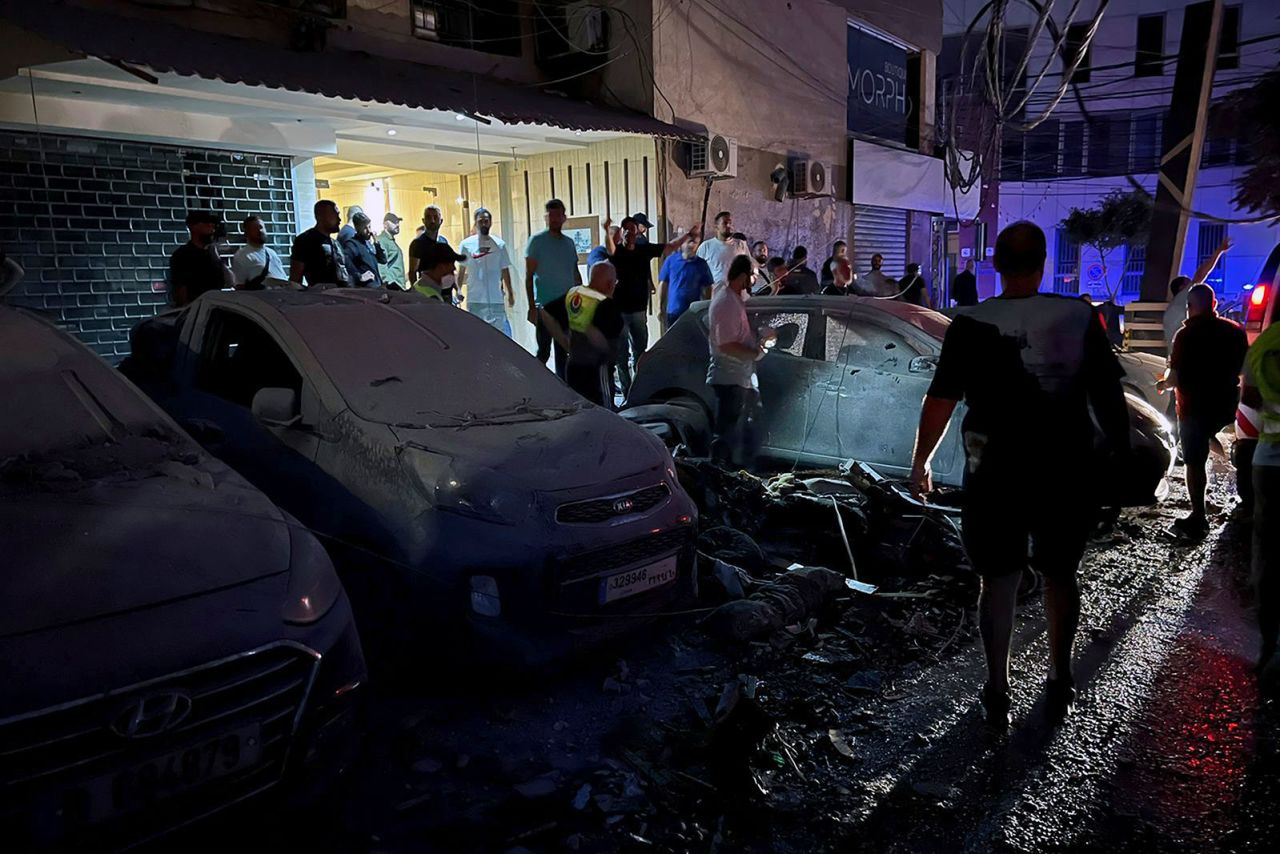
point(391, 131)
point(459, 116)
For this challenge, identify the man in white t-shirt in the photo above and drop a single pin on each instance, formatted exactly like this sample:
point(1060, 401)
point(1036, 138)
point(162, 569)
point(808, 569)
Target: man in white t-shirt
point(485, 271)
point(256, 264)
point(720, 250)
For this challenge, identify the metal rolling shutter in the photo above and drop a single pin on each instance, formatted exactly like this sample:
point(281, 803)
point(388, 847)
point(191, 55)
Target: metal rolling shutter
point(882, 230)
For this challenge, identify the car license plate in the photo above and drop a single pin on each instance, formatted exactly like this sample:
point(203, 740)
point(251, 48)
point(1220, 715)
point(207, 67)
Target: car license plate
point(164, 776)
point(639, 580)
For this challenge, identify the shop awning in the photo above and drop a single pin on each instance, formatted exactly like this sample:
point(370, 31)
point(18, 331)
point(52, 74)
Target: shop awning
point(165, 47)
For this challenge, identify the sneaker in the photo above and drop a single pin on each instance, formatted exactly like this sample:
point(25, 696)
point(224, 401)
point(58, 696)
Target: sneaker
point(1191, 527)
point(1060, 698)
point(995, 707)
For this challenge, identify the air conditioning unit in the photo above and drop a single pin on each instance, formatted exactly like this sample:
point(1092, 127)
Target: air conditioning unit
point(716, 157)
point(811, 178)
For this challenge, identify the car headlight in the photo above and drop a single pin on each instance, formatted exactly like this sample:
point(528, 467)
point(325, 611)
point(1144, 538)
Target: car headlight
point(477, 492)
point(313, 585)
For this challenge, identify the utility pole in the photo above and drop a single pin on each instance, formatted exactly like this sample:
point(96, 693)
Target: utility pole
point(1184, 130)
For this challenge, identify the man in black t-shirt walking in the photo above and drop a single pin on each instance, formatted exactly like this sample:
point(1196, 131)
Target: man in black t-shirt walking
point(635, 283)
point(1028, 366)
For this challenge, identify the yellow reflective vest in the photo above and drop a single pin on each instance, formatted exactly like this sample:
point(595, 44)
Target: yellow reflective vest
point(580, 305)
point(1264, 369)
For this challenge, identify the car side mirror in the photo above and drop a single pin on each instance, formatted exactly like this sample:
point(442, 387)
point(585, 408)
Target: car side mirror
point(277, 407)
point(787, 335)
point(923, 365)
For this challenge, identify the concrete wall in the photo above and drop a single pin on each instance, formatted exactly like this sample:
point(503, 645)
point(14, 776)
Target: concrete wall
point(93, 222)
point(775, 77)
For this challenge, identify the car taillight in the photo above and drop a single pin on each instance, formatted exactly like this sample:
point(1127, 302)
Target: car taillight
point(1257, 305)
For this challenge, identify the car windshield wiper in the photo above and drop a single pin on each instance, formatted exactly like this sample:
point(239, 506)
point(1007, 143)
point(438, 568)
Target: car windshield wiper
point(522, 412)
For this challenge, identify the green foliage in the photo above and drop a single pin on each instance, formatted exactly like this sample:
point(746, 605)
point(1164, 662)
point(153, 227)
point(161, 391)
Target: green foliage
point(1120, 219)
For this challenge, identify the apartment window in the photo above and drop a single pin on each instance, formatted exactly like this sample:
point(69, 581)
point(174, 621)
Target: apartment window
point(1148, 60)
point(1072, 148)
point(1135, 264)
point(1146, 142)
point(1042, 151)
point(1229, 39)
point(1207, 241)
point(1012, 155)
point(1066, 265)
point(491, 28)
point(1218, 151)
point(1075, 47)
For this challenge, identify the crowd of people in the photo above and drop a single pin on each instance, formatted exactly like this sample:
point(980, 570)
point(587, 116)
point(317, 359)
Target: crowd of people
point(343, 250)
point(597, 332)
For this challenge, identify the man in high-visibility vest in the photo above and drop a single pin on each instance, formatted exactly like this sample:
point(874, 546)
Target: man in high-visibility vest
point(1262, 392)
point(588, 324)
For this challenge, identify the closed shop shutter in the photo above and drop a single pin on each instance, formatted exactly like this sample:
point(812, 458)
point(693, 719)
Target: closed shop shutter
point(883, 231)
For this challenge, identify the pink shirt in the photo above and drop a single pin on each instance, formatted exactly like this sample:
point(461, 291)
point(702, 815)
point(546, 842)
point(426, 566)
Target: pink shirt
point(727, 323)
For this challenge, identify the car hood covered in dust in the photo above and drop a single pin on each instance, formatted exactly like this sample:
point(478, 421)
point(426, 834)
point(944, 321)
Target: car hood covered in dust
point(542, 448)
point(156, 524)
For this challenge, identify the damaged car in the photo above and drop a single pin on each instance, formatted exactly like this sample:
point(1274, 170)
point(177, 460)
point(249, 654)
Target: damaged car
point(844, 381)
point(171, 642)
point(453, 475)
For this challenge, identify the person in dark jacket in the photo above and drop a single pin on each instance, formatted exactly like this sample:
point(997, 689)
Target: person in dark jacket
point(913, 289)
point(964, 289)
point(801, 279)
point(362, 254)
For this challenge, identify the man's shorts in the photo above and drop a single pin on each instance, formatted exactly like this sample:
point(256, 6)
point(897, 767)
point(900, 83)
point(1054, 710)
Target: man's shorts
point(1007, 527)
point(1195, 433)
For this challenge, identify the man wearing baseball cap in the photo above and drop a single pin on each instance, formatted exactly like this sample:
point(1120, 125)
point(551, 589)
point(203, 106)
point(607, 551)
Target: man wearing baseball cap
point(644, 225)
point(392, 271)
point(436, 262)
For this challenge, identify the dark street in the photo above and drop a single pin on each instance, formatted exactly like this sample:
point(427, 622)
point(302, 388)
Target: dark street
point(708, 426)
point(870, 737)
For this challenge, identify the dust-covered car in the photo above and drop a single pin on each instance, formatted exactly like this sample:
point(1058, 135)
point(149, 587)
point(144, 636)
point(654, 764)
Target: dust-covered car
point(171, 643)
point(458, 477)
point(844, 381)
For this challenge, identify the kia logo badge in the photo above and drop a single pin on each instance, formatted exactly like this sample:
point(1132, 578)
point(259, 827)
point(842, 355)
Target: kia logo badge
point(152, 715)
point(623, 505)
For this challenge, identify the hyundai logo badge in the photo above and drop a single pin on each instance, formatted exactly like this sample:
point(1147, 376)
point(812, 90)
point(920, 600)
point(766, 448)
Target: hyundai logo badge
point(151, 715)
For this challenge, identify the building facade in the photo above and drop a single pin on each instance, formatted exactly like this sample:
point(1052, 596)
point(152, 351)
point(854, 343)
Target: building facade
point(121, 116)
point(1114, 141)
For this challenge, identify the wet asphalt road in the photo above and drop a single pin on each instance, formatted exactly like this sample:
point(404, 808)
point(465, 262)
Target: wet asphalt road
point(1172, 746)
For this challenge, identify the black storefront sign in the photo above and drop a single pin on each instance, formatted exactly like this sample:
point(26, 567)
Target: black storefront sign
point(880, 101)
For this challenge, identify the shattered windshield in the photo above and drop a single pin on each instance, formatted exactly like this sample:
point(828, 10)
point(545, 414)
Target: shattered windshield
point(429, 364)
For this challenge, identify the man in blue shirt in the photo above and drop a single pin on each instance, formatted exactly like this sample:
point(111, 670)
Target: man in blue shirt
point(684, 278)
point(601, 253)
point(550, 270)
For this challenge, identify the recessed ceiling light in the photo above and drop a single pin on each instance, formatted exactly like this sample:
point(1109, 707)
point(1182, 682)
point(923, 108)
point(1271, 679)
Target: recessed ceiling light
point(577, 133)
point(459, 116)
point(391, 131)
